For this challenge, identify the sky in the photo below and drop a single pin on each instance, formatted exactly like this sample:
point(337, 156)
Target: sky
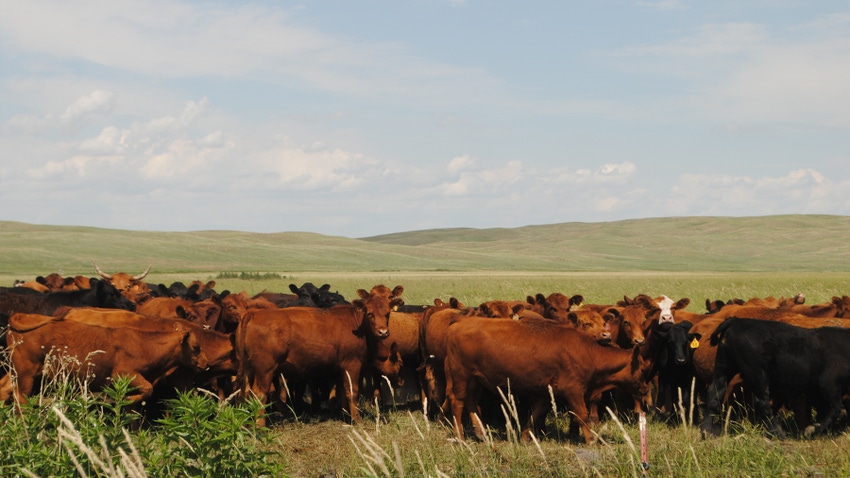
point(360, 118)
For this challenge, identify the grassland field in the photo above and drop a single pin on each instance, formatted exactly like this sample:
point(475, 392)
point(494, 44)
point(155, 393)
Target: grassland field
point(399, 442)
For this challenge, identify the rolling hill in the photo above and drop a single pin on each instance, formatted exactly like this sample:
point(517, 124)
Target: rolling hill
point(769, 243)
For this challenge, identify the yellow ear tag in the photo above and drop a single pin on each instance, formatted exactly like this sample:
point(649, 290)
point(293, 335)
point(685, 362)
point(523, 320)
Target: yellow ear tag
point(694, 343)
point(395, 308)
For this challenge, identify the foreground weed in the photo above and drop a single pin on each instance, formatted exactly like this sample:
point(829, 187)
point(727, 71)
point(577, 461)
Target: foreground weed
point(201, 436)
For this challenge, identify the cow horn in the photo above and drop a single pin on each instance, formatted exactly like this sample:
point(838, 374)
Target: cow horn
point(143, 274)
point(102, 274)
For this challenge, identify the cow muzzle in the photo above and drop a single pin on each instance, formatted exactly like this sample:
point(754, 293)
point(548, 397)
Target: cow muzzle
point(383, 333)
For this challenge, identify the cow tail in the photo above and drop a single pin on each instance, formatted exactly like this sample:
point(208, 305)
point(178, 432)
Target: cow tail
point(718, 333)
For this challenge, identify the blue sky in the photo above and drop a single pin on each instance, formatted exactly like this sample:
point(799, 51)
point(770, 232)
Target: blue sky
point(360, 118)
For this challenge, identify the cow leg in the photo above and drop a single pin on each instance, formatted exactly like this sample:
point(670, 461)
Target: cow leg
point(458, 399)
point(143, 390)
point(5, 388)
point(761, 403)
point(537, 419)
point(577, 405)
point(260, 387)
point(829, 407)
point(25, 380)
point(351, 384)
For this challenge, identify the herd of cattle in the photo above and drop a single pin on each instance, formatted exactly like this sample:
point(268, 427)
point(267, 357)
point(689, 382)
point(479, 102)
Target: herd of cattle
point(305, 346)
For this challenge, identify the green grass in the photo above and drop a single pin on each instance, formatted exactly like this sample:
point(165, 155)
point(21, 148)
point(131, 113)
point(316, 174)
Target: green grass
point(774, 243)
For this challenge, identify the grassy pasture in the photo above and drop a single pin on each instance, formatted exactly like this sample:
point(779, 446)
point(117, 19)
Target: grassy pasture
point(400, 442)
point(726, 260)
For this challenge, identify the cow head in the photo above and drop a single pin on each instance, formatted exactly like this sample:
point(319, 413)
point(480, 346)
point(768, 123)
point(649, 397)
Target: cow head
point(233, 308)
point(662, 305)
point(376, 306)
point(630, 322)
point(193, 356)
point(557, 305)
point(130, 286)
point(111, 298)
point(678, 341)
point(388, 362)
point(589, 322)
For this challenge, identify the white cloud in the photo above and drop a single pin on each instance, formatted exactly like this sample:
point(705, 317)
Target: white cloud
point(461, 163)
point(164, 39)
point(609, 173)
point(803, 191)
point(96, 102)
point(110, 140)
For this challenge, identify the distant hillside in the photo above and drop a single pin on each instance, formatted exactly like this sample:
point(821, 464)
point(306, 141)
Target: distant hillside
point(772, 243)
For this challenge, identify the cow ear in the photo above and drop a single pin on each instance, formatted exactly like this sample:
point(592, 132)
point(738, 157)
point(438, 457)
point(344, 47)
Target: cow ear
point(485, 310)
point(644, 302)
point(396, 303)
point(397, 291)
point(612, 313)
point(683, 303)
point(577, 300)
point(293, 288)
point(573, 318)
point(362, 293)
point(686, 324)
point(182, 312)
point(517, 309)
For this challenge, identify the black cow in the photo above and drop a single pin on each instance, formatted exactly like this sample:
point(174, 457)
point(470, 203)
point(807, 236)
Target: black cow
point(780, 362)
point(674, 365)
point(311, 296)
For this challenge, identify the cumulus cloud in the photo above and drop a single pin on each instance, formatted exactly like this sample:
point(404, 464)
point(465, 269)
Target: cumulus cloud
point(609, 173)
point(96, 102)
point(802, 191)
point(496, 181)
point(461, 163)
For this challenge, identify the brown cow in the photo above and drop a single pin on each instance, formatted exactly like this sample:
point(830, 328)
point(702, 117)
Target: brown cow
point(205, 312)
point(131, 286)
point(832, 309)
point(217, 347)
point(305, 342)
point(496, 353)
point(103, 353)
point(399, 355)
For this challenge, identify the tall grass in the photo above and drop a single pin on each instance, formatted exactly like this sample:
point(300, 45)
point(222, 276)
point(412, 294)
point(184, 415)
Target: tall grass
point(68, 430)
